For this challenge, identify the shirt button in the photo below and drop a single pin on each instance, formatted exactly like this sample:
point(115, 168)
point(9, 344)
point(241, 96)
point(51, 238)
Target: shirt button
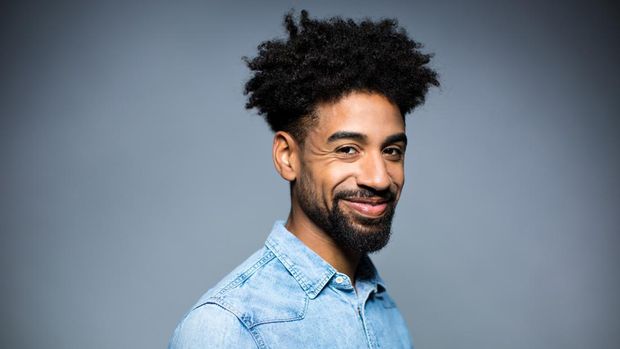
point(339, 279)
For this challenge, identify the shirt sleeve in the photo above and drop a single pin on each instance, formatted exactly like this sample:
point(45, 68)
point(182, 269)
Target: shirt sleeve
point(211, 326)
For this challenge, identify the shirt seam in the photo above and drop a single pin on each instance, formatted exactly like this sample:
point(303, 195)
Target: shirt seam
point(258, 340)
point(268, 256)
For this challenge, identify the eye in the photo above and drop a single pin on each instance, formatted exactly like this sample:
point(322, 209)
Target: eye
point(394, 153)
point(347, 150)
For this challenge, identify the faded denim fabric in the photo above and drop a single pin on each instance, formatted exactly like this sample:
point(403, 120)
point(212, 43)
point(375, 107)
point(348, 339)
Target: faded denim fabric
point(286, 296)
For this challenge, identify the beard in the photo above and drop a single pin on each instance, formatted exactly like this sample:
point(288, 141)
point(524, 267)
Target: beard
point(351, 232)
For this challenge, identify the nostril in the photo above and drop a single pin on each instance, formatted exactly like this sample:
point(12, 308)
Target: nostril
point(377, 180)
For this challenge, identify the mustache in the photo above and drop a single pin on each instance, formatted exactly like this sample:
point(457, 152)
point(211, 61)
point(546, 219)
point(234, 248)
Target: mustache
point(386, 195)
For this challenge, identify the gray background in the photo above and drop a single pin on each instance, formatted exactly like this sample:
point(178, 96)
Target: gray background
point(133, 179)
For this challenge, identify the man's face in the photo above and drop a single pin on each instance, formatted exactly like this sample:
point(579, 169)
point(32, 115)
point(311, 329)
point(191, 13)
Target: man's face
point(352, 170)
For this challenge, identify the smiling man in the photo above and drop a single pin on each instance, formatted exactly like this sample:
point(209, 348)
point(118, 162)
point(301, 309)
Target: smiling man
point(335, 93)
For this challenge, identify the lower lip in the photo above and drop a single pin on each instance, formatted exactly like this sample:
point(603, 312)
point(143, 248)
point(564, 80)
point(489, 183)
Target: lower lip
point(367, 209)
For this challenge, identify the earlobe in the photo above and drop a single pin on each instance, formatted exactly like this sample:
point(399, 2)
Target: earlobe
point(284, 152)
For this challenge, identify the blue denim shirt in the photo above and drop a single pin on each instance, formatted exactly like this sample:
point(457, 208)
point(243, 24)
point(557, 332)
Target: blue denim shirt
point(286, 296)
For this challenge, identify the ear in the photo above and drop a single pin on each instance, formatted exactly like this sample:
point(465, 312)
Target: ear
point(285, 154)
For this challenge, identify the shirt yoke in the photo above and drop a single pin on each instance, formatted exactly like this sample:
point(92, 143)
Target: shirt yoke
point(260, 291)
point(210, 326)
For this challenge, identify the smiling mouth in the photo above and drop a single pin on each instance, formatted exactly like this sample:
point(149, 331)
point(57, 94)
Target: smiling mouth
point(369, 207)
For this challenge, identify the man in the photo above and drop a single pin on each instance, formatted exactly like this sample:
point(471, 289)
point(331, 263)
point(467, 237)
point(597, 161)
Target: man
point(335, 93)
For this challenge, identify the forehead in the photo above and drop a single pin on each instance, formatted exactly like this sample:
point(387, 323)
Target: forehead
point(370, 114)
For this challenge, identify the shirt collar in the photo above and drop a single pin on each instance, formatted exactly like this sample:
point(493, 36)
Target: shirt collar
point(367, 273)
point(310, 270)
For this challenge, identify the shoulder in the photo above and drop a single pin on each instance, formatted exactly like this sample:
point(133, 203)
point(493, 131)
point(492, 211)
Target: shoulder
point(260, 290)
point(210, 326)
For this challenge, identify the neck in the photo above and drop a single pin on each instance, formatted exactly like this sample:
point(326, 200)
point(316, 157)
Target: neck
point(321, 243)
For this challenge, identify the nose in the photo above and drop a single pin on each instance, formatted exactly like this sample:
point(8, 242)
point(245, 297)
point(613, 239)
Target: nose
point(373, 173)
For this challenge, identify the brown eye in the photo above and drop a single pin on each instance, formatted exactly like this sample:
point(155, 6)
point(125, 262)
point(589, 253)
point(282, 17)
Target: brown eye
point(347, 151)
point(393, 152)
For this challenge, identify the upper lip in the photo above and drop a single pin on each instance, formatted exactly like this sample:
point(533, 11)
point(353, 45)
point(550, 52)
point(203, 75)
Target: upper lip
point(371, 200)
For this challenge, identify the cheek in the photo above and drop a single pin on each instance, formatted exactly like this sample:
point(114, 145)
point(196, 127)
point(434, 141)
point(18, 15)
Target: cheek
point(397, 174)
point(339, 175)
point(333, 178)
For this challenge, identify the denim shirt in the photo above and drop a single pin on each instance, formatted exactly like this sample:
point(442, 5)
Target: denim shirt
point(286, 296)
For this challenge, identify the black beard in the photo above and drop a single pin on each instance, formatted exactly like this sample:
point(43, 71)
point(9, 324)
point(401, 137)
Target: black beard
point(360, 234)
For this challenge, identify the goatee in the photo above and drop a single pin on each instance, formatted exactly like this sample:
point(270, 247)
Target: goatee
point(350, 231)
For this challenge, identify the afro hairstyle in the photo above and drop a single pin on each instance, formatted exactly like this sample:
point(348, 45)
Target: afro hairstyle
point(324, 60)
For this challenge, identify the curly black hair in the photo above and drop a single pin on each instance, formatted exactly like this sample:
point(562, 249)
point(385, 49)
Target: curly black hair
point(323, 60)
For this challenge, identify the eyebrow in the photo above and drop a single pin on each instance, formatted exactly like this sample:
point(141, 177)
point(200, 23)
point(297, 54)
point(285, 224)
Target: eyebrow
point(395, 138)
point(347, 135)
point(360, 137)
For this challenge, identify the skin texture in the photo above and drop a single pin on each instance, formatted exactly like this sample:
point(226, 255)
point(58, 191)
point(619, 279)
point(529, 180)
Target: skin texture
point(356, 145)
